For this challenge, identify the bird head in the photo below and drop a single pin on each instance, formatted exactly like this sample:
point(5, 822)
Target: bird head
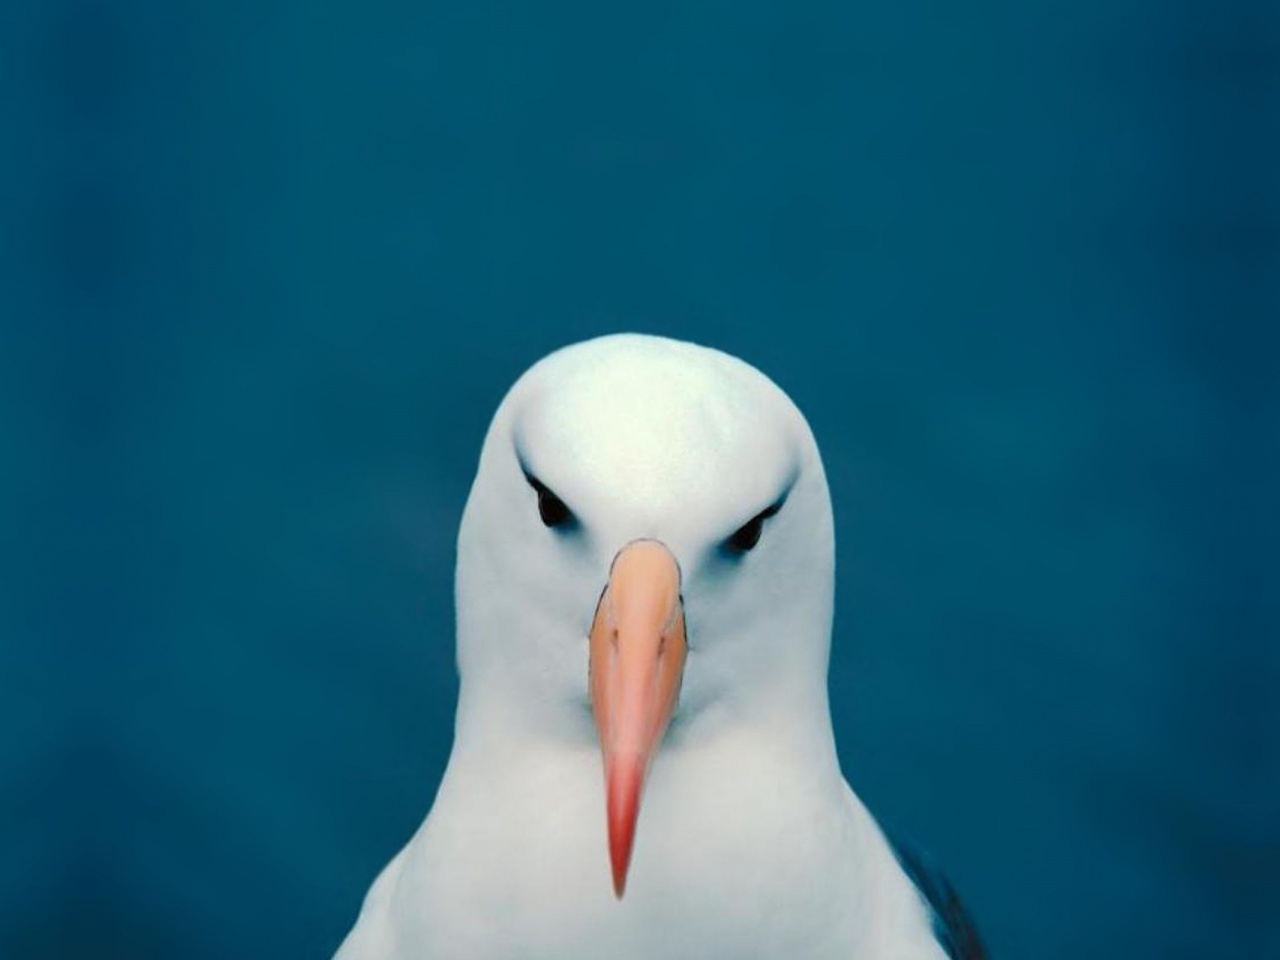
point(646, 555)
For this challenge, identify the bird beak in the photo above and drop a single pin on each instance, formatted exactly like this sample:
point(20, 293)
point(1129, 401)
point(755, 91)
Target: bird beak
point(637, 658)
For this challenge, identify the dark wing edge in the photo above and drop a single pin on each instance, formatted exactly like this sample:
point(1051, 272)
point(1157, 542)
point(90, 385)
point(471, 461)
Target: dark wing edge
point(952, 924)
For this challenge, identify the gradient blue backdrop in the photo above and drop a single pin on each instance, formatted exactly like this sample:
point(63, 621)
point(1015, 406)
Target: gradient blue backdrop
point(268, 267)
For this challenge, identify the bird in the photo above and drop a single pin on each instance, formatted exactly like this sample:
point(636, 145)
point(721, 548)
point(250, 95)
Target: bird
point(644, 765)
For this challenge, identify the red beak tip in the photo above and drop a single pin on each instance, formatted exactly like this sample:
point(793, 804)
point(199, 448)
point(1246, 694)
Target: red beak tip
point(620, 860)
point(625, 783)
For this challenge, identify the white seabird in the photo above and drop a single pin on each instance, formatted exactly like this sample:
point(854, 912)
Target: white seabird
point(643, 765)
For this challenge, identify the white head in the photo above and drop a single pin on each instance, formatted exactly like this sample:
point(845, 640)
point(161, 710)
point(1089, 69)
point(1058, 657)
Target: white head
point(710, 466)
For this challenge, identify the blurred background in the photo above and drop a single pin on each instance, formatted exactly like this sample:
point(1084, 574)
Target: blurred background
point(267, 268)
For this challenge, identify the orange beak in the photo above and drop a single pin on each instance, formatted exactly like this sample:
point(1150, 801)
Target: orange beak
point(637, 658)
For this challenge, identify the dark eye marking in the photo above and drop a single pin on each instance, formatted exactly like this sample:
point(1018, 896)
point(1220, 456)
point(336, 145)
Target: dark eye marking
point(551, 509)
point(748, 535)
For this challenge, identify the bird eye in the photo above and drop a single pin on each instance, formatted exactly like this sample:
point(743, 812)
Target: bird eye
point(748, 535)
point(551, 509)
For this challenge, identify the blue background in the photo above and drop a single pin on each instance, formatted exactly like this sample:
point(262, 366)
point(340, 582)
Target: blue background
point(268, 267)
